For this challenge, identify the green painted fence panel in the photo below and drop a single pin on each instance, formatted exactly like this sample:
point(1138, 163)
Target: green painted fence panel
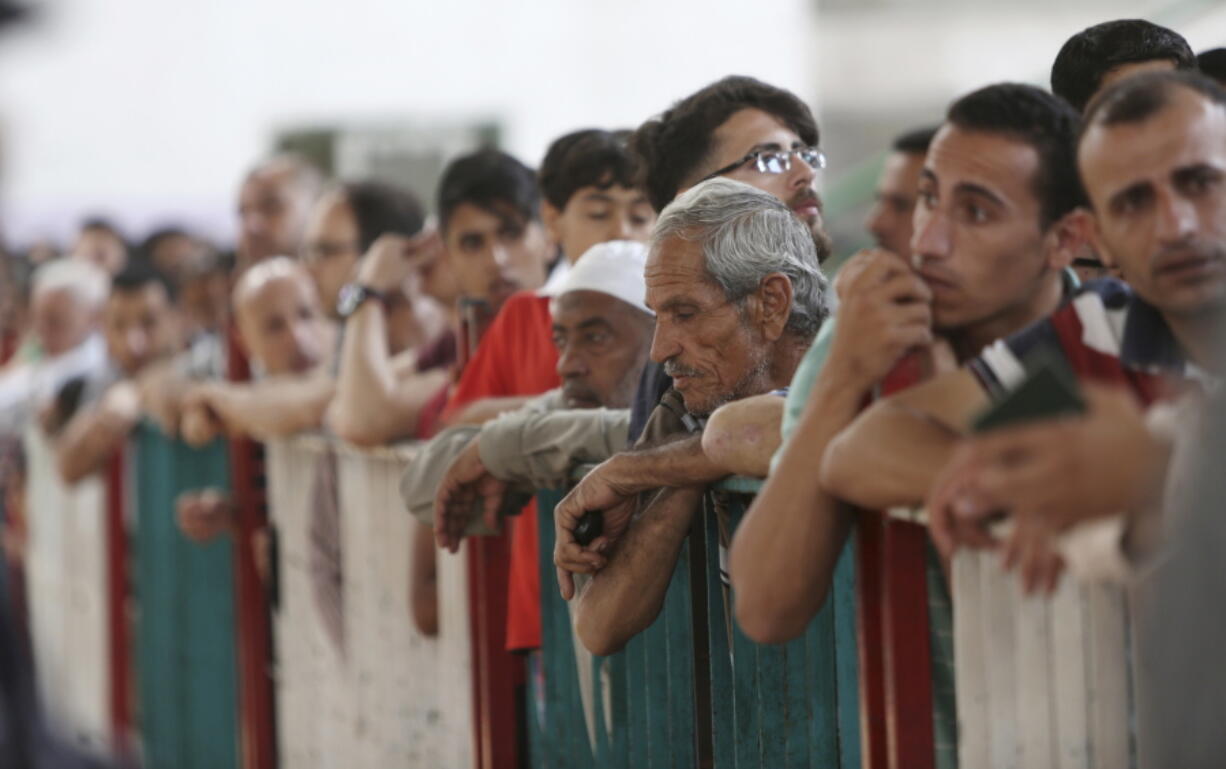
point(764, 707)
point(186, 637)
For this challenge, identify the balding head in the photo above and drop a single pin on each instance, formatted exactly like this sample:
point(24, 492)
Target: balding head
point(279, 317)
point(273, 205)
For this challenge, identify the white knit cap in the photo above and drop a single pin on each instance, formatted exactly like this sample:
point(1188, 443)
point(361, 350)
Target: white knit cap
point(614, 268)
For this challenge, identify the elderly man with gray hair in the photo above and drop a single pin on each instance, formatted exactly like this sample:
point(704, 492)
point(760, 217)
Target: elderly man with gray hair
point(733, 278)
point(66, 308)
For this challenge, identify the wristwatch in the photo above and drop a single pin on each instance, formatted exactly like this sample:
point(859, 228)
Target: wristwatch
point(353, 296)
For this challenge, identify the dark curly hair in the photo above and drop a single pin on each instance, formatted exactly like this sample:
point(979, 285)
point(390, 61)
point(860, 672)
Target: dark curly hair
point(673, 146)
point(1040, 119)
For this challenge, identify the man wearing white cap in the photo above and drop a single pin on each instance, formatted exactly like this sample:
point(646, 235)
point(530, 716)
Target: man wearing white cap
point(602, 329)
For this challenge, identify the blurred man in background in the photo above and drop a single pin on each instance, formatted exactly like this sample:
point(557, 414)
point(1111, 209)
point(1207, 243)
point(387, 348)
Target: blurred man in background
point(273, 203)
point(100, 243)
point(290, 341)
point(65, 312)
point(889, 220)
point(140, 325)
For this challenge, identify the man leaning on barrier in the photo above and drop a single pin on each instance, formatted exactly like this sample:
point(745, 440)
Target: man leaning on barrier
point(733, 277)
point(602, 330)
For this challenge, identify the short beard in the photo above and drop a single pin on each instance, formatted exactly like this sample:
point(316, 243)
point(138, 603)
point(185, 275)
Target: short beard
point(822, 243)
point(749, 384)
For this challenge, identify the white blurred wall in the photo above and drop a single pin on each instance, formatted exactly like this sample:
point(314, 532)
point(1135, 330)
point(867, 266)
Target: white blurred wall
point(923, 53)
point(151, 109)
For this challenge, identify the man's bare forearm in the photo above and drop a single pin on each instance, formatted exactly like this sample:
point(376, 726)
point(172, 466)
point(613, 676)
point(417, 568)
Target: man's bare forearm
point(88, 442)
point(376, 402)
point(674, 464)
point(890, 455)
point(274, 407)
point(742, 437)
point(784, 552)
point(624, 598)
point(888, 458)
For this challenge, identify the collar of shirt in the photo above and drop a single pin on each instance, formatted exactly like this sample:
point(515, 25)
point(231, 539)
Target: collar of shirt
point(1148, 344)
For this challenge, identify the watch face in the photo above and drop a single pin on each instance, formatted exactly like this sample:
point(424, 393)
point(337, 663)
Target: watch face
point(350, 297)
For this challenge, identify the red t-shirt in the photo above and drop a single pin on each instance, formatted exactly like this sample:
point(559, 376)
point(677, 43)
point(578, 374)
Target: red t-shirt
point(516, 357)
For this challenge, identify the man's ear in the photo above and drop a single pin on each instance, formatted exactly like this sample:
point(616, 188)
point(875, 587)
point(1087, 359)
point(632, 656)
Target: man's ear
point(551, 219)
point(773, 305)
point(1067, 238)
point(1094, 237)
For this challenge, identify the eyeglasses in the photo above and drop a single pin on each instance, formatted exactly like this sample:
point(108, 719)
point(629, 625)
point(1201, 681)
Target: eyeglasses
point(775, 161)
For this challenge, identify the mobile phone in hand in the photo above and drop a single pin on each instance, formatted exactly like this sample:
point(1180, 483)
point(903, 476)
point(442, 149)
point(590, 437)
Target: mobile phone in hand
point(1049, 390)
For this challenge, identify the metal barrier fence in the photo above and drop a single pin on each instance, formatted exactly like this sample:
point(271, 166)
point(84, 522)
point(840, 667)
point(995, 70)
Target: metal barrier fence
point(67, 600)
point(1042, 682)
point(692, 690)
point(389, 696)
point(187, 634)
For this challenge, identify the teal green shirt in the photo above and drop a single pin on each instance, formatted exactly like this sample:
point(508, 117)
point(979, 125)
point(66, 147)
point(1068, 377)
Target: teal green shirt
point(802, 383)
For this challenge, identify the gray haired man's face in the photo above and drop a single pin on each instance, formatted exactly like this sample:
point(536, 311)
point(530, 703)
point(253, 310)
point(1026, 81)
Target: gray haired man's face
point(714, 351)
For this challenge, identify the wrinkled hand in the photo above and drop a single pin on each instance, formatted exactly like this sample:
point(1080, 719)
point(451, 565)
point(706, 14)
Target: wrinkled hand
point(204, 515)
point(465, 482)
point(601, 489)
point(884, 313)
point(392, 258)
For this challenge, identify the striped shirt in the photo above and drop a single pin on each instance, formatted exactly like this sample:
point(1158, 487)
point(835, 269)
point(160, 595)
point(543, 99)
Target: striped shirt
point(1107, 334)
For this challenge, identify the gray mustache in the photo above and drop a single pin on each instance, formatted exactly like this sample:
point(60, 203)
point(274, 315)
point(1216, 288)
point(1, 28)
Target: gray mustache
point(676, 369)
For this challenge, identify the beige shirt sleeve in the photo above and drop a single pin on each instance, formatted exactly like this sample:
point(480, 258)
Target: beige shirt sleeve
point(421, 478)
point(539, 449)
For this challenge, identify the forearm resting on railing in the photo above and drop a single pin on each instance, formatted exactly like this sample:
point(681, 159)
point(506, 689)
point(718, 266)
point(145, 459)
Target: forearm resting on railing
point(274, 407)
point(742, 436)
point(784, 551)
point(378, 398)
point(891, 454)
point(676, 463)
point(88, 442)
point(541, 448)
point(624, 598)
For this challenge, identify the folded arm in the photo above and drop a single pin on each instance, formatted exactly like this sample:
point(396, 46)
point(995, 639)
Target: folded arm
point(540, 448)
point(742, 436)
point(891, 454)
point(378, 397)
point(95, 434)
point(269, 408)
point(624, 598)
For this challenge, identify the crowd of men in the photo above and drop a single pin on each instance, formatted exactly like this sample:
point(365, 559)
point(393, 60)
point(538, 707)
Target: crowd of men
point(654, 303)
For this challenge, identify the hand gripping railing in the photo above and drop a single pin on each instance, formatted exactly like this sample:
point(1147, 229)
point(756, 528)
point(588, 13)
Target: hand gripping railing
point(692, 690)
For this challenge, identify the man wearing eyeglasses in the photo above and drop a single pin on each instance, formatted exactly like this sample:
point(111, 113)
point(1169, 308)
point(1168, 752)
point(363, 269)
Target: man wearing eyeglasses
point(738, 128)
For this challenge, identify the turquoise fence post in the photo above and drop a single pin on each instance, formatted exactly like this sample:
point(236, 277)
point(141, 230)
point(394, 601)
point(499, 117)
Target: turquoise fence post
point(793, 704)
point(764, 706)
point(186, 643)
